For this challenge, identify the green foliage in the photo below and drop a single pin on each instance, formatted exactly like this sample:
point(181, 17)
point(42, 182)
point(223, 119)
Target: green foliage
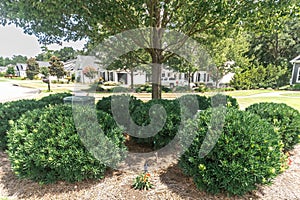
point(217, 18)
point(200, 88)
point(142, 117)
point(165, 121)
point(105, 103)
point(142, 182)
point(247, 152)
point(182, 89)
point(296, 87)
point(53, 99)
point(285, 119)
point(260, 77)
point(44, 146)
point(143, 88)
point(10, 70)
point(220, 99)
point(32, 68)
point(147, 88)
point(202, 102)
point(11, 111)
point(56, 67)
point(44, 71)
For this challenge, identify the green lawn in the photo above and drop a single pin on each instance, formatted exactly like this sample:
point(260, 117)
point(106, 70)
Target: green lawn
point(296, 94)
point(238, 93)
point(245, 102)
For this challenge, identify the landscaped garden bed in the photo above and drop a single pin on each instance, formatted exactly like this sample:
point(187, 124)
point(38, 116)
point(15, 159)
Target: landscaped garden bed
point(43, 145)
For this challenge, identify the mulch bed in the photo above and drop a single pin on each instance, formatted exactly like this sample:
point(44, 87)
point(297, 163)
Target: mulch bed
point(169, 184)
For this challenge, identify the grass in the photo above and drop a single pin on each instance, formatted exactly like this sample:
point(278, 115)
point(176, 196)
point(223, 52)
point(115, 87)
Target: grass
point(245, 102)
point(238, 93)
point(296, 94)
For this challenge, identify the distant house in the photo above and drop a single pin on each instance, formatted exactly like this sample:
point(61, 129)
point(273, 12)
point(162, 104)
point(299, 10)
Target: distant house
point(20, 68)
point(3, 69)
point(296, 70)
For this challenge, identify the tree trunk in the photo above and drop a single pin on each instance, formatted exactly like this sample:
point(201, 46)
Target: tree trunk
point(131, 79)
point(49, 89)
point(157, 59)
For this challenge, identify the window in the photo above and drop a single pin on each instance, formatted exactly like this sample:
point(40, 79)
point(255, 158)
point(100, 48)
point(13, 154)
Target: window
point(298, 74)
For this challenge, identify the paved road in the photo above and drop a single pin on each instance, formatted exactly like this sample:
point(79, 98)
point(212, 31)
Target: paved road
point(10, 92)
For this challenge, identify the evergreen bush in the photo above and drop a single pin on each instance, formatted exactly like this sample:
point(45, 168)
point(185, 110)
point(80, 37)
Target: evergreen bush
point(246, 152)
point(44, 145)
point(285, 119)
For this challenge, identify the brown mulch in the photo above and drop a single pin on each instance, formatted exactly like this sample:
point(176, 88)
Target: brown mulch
point(169, 184)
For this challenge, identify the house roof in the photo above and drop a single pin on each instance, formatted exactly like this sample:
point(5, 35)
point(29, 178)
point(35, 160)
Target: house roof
point(83, 61)
point(296, 60)
point(43, 64)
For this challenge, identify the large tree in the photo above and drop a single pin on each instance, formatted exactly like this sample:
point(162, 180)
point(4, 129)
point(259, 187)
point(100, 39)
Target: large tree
point(56, 20)
point(277, 40)
point(32, 68)
point(56, 67)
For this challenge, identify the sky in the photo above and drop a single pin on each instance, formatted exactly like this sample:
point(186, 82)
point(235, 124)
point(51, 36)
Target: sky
point(14, 42)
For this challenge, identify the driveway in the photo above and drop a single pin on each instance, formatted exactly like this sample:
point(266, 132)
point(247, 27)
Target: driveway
point(11, 92)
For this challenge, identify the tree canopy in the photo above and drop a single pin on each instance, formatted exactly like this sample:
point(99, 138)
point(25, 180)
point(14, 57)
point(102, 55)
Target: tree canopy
point(32, 68)
point(56, 20)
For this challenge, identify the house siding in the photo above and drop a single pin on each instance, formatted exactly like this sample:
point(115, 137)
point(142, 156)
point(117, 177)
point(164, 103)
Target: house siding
point(296, 73)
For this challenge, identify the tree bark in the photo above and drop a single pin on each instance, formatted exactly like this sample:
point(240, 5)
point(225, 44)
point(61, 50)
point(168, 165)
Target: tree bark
point(157, 59)
point(131, 78)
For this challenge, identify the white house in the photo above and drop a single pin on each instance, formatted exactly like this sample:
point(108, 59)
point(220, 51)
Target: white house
point(296, 70)
point(20, 69)
point(3, 69)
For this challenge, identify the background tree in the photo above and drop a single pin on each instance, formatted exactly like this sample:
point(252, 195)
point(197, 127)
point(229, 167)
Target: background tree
point(56, 67)
point(227, 54)
point(90, 72)
point(14, 60)
point(18, 59)
point(10, 71)
point(32, 68)
point(45, 55)
point(45, 72)
point(66, 53)
point(96, 20)
point(275, 39)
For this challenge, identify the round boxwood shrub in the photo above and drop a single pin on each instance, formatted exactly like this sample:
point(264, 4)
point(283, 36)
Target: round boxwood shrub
point(230, 101)
point(285, 119)
point(142, 117)
point(13, 111)
point(53, 99)
point(44, 145)
point(105, 103)
point(246, 153)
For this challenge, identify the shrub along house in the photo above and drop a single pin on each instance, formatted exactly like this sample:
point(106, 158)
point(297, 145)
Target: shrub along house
point(296, 70)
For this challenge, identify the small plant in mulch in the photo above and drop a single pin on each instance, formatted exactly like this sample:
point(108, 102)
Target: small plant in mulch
point(142, 182)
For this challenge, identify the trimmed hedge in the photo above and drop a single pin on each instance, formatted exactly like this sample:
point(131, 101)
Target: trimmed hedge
point(140, 113)
point(105, 103)
point(53, 99)
point(13, 111)
point(285, 119)
point(246, 153)
point(141, 116)
point(44, 145)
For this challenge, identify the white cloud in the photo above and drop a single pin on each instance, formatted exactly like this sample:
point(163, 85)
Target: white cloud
point(14, 42)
